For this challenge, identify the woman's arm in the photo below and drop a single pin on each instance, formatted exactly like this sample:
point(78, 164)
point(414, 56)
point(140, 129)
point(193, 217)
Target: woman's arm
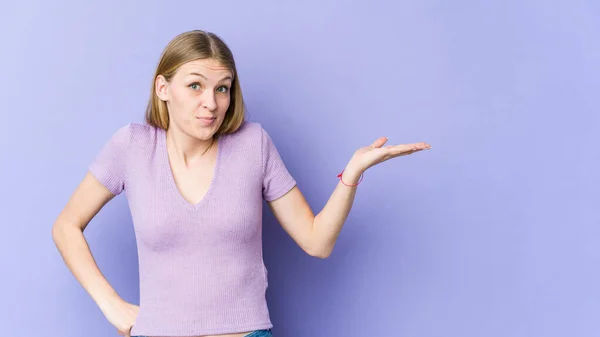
point(67, 232)
point(317, 235)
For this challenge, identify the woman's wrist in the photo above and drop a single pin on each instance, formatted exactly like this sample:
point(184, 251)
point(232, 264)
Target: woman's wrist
point(351, 174)
point(109, 300)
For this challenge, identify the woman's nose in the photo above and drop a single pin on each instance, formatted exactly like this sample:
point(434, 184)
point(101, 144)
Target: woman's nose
point(208, 101)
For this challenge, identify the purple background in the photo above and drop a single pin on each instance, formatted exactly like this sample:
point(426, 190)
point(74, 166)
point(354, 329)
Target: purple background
point(494, 232)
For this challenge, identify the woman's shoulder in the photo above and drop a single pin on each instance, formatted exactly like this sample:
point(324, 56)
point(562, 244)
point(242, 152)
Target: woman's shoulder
point(135, 136)
point(249, 131)
point(138, 130)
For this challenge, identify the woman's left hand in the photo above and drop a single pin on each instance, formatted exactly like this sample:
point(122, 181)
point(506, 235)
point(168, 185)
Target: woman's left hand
point(376, 153)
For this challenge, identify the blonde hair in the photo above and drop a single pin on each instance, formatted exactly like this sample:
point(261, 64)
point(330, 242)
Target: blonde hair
point(190, 46)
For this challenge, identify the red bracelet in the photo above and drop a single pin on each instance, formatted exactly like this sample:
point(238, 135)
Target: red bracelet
point(359, 180)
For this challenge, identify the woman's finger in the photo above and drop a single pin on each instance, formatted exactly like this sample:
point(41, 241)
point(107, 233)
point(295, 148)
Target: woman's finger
point(406, 148)
point(379, 142)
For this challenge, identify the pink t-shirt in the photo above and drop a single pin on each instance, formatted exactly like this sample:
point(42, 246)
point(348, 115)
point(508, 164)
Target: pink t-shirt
point(201, 265)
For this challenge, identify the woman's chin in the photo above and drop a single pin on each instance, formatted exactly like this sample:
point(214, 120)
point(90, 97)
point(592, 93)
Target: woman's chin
point(203, 132)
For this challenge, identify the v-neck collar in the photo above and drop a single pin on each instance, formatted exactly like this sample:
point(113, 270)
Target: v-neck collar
point(171, 179)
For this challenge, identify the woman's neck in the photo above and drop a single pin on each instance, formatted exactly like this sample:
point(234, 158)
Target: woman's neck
point(189, 149)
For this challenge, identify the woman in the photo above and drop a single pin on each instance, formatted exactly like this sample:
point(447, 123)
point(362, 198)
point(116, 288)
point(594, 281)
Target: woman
point(195, 175)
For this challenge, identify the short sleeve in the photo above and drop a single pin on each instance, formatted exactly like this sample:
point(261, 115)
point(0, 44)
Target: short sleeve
point(109, 166)
point(277, 180)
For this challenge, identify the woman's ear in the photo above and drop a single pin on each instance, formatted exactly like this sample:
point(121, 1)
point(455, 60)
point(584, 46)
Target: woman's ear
point(161, 87)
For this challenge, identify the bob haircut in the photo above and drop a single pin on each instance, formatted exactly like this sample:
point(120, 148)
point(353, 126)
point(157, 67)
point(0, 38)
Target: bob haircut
point(190, 46)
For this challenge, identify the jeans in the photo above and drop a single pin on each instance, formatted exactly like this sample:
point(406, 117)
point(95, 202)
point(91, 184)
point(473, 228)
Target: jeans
point(260, 333)
point(256, 333)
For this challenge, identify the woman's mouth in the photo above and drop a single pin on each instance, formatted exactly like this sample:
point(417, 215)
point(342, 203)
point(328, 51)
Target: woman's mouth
point(206, 121)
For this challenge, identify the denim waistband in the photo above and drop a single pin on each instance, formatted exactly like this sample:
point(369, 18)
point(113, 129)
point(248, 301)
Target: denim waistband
point(256, 333)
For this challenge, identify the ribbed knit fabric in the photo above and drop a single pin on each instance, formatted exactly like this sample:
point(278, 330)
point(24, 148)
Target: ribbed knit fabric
point(201, 265)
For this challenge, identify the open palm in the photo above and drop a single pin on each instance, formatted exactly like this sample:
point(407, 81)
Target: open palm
point(376, 153)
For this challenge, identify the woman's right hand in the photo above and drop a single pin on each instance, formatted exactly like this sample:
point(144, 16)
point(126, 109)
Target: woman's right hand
point(122, 315)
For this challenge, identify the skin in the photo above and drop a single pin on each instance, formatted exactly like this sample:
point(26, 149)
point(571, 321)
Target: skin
point(201, 89)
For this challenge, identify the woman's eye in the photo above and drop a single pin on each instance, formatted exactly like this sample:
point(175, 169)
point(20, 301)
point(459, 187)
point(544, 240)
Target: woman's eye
point(195, 86)
point(223, 89)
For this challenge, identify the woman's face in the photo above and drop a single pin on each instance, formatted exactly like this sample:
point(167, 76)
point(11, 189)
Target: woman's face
point(197, 97)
